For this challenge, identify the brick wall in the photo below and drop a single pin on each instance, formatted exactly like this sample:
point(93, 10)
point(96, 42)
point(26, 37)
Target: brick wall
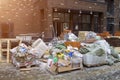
point(24, 14)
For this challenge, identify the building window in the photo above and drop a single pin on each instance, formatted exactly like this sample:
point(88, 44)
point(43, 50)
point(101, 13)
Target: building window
point(86, 22)
point(58, 16)
point(85, 18)
point(76, 21)
point(96, 22)
point(110, 25)
point(110, 7)
point(67, 17)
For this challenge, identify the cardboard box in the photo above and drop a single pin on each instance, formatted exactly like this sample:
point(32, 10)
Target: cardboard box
point(64, 68)
point(82, 35)
point(73, 44)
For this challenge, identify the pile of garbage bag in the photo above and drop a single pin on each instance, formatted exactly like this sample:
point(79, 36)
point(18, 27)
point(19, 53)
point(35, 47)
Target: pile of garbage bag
point(59, 53)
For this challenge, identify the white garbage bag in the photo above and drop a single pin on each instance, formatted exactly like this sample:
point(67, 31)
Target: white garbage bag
point(104, 44)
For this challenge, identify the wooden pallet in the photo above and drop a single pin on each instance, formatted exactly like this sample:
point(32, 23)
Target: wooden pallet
point(56, 70)
point(7, 49)
point(26, 68)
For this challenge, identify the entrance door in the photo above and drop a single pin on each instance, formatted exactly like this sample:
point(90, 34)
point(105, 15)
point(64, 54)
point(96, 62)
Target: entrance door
point(61, 21)
point(60, 26)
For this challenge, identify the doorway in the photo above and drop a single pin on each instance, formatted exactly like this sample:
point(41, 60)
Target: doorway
point(61, 21)
point(57, 28)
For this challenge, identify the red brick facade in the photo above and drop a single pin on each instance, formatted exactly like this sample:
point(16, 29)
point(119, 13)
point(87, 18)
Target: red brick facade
point(33, 16)
point(23, 14)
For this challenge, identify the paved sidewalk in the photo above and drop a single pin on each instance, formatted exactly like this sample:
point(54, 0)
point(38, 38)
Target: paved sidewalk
point(9, 72)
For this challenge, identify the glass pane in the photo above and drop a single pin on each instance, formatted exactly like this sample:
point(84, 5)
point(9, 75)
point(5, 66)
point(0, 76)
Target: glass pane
point(67, 17)
point(61, 16)
point(65, 26)
point(86, 27)
point(79, 19)
point(85, 18)
point(55, 16)
point(75, 18)
point(96, 23)
point(75, 26)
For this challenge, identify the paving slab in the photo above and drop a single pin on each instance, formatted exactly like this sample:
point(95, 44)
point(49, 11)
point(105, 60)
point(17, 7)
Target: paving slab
point(105, 72)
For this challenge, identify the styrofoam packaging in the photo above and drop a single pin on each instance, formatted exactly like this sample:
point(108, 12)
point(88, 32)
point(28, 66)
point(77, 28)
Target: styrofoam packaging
point(76, 60)
point(24, 37)
point(19, 37)
point(35, 43)
point(28, 38)
point(40, 46)
point(39, 43)
point(92, 60)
